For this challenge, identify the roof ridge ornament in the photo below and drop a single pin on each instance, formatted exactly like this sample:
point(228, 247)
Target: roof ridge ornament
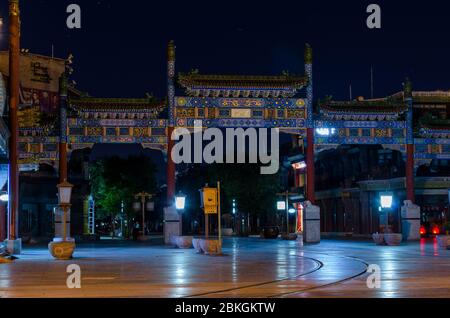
point(308, 54)
point(407, 88)
point(171, 51)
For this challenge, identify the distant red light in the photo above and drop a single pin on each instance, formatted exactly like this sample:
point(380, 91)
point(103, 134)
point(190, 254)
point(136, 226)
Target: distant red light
point(436, 230)
point(422, 230)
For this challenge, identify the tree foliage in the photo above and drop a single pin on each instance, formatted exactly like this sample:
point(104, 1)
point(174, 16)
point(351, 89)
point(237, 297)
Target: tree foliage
point(115, 179)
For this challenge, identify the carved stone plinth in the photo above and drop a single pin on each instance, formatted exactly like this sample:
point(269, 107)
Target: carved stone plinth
point(14, 246)
point(378, 238)
point(183, 241)
point(311, 221)
point(211, 246)
point(410, 214)
point(393, 239)
point(196, 245)
point(62, 250)
point(172, 224)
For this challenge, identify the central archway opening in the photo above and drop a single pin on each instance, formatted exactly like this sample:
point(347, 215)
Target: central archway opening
point(107, 178)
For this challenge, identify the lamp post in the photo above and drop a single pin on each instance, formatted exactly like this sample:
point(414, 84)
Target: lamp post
point(64, 196)
point(285, 206)
point(63, 249)
point(386, 200)
point(143, 196)
point(180, 204)
point(180, 201)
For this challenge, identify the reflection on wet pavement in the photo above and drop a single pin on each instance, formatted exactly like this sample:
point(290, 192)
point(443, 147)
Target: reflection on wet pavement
point(249, 268)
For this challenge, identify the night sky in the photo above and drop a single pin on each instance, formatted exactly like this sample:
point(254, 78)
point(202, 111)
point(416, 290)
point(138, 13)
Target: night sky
point(120, 50)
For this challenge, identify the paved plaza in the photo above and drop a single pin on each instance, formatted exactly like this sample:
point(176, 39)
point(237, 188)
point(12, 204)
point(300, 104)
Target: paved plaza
point(251, 267)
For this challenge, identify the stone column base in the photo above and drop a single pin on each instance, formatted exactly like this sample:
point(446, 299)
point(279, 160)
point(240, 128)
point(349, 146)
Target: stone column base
point(62, 250)
point(311, 223)
point(410, 214)
point(172, 224)
point(14, 246)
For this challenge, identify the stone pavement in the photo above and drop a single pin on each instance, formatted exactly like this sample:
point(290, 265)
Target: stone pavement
point(249, 268)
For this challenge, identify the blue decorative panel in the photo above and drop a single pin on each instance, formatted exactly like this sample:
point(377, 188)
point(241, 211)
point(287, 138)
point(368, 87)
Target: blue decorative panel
point(240, 102)
point(358, 140)
point(358, 124)
point(365, 132)
point(23, 147)
point(158, 131)
point(50, 147)
point(201, 112)
point(398, 133)
point(110, 131)
point(421, 148)
point(244, 122)
point(124, 131)
point(258, 113)
point(224, 112)
point(76, 131)
point(280, 113)
point(354, 133)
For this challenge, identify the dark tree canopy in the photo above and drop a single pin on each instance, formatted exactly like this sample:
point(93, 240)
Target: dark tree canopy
point(115, 179)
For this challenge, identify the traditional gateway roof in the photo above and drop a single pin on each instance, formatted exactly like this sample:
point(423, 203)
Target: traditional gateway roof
point(372, 109)
point(112, 107)
point(284, 85)
point(426, 97)
point(436, 128)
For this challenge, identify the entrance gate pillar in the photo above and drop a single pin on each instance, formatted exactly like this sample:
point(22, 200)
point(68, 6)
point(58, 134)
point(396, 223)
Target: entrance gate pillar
point(410, 213)
point(14, 243)
point(62, 147)
point(172, 219)
point(311, 215)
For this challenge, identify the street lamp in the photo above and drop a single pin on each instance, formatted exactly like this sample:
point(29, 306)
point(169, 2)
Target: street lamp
point(281, 205)
point(180, 201)
point(284, 206)
point(4, 197)
point(299, 165)
point(64, 196)
point(142, 196)
point(63, 249)
point(386, 200)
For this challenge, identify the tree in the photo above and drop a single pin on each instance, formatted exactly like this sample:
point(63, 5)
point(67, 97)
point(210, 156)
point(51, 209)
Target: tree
point(116, 180)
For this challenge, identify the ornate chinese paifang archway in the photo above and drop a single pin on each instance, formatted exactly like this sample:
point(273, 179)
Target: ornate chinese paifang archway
point(228, 101)
point(223, 101)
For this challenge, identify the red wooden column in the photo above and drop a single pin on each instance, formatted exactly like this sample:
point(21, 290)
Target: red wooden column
point(171, 121)
point(170, 169)
point(62, 147)
point(310, 126)
point(62, 161)
point(14, 83)
point(410, 172)
point(310, 165)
